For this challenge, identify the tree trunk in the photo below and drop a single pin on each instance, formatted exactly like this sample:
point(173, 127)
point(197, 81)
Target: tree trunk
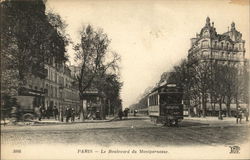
point(82, 110)
point(189, 107)
point(220, 110)
point(228, 110)
point(213, 108)
point(61, 113)
point(203, 102)
point(109, 108)
point(189, 110)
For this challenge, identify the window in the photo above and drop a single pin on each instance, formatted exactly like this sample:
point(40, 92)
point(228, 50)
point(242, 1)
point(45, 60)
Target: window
point(56, 77)
point(51, 93)
point(55, 92)
point(215, 44)
point(204, 44)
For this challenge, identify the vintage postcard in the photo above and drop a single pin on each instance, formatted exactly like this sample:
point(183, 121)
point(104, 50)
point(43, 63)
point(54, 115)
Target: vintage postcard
point(125, 79)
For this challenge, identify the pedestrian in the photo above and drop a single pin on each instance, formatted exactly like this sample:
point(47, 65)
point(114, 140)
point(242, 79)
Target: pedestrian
point(73, 115)
point(120, 114)
point(135, 111)
point(49, 112)
point(68, 114)
point(15, 111)
point(126, 113)
point(241, 115)
point(246, 115)
point(238, 115)
point(38, 113)
point(55, 113)
point(97, 115)
point(14, 114)
point(42, 111)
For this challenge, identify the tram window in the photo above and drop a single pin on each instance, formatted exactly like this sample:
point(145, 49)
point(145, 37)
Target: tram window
point(170, 99)
point(153, 100)
point(156, 99)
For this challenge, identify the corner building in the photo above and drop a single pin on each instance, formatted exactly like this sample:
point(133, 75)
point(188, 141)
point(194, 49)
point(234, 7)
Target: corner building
point(210, 47)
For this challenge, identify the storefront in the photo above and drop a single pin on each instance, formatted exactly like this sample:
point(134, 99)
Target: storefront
point(39, 96)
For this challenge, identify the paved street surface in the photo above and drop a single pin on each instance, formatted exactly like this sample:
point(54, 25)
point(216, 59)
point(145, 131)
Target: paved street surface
point(132, 131)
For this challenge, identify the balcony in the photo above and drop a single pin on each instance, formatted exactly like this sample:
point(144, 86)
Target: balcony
point(225, 48)
point(226, 58)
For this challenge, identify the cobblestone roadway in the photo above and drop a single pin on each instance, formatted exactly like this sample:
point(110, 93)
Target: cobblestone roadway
point(133, 131)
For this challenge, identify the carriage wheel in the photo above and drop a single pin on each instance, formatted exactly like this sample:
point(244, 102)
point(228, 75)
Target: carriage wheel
point(28, 117)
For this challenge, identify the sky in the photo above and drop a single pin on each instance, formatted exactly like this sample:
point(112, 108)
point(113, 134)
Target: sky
point(151, 36)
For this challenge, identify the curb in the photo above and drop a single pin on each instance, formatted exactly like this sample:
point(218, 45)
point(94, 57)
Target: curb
point(68, 123)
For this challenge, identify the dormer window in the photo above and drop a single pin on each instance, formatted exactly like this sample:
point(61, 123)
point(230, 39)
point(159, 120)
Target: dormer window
point(206, 33)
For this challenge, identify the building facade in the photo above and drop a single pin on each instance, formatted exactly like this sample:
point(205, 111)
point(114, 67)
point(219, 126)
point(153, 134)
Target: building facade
point(225, 48)
point(55, 87)
point(210, 48)
point(60, 90)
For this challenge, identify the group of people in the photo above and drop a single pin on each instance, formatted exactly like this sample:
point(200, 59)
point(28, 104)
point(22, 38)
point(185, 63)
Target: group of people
point(123, 113)
point(42, 113)
point(70, 114)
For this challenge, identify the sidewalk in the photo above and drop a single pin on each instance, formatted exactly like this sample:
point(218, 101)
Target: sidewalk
point(53, 121)
point(214, 121)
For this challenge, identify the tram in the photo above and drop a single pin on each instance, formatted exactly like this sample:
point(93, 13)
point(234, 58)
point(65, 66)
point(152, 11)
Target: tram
point(165, 104)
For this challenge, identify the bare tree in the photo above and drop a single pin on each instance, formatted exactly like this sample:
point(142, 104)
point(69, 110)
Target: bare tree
point(94, 59)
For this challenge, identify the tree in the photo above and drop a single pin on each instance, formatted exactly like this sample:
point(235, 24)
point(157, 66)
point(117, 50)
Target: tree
point(245, 75)
point(110, 85)
point(229, 85)
point(27, 40)
point(60, 39)
point(218, 87)
point(94, 59)
point(201, 83)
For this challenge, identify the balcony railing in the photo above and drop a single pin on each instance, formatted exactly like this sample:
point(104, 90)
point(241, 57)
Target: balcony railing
point(219, 57)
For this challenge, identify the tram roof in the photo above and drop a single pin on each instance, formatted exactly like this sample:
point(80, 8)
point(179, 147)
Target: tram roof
point(167, 85)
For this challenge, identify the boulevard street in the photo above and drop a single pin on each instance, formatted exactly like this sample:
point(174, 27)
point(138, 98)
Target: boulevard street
point(132, 131)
